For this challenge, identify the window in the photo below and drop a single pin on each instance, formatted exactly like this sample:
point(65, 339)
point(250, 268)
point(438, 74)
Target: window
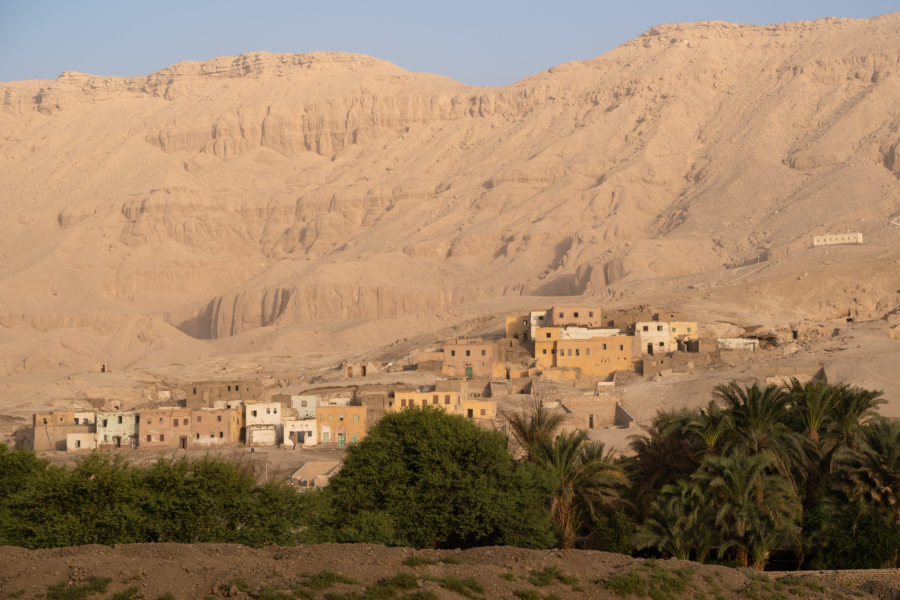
point(483, 353)
point(354, 439)
point(403, 402)
point(524, 321)
point(218, 417)
point(185, 422)
point(577, 352)
point(275, 411)
point(175, 422)
point(199, 418)
point(424, 401)
point(548, 334)
point(660, 344)
point(303, 403)
point(587, 351)
point(160, 420)
point(621, 347)
point(229, 388)
point(148, 421)
point(104, 422)
point(434, 399)
point(590, 313)
point(195, 391)
point(322, 417)
point(221, 434)
point(149, 438)
point(659, 328)
point(545, 351)
point(120, 419)
point(570, 352)
point(575, 315)
point(196, 436)
point(253, 413)
point(468, 353)
point(45, 421)
point(453, 353)
point(560, 315)
point(356, 418)
point(330, 417)
point(483, 412)
point(340, 417)
point(162, 437)
point(689, 329)
point(268, 411)
point(446, 398)
point(237, 388)
point(76, 420)
point(325, 437)
point(674, 330)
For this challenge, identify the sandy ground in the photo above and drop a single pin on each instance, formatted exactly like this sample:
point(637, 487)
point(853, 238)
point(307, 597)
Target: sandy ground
point(218, 571)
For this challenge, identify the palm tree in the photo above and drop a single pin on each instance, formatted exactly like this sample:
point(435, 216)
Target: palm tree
point(871, 474)
point(681, 522)
point(664, 454)
point(853, 408)
point(534, 422)
point(711, 426)
point(760, 426)
point(755, 509)
point(586, 479)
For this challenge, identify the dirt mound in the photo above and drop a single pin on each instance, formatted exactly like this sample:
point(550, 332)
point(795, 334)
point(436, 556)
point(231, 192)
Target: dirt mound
point(210, 570)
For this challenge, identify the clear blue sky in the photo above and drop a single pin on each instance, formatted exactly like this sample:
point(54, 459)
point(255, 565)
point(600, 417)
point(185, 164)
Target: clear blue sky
point(484, 43)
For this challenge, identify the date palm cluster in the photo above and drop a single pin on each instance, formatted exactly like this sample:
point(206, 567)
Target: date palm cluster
point(805, 472)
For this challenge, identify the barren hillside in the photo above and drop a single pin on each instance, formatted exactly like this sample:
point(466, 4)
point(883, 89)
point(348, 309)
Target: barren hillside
point(316, 204)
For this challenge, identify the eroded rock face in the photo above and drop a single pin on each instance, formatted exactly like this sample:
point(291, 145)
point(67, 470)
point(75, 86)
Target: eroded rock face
point(269, 190)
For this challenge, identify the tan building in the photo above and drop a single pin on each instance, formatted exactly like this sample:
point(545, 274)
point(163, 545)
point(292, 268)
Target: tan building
point(447, 401)
point(164, 428)
point(50, 430)
point(580, 316)
point(216, 426)
point(479, 409)
point(341, 425)
point(468, 358)
point(652, 337)
point(203, 394)
point(518, 327)
point(593, 357)
point(681, 333)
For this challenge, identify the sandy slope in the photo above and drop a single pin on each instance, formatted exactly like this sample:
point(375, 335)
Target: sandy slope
point(284, 211)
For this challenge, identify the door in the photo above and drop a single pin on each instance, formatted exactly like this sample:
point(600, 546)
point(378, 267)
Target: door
point(182, 442)
point(469, 413)
point(468, 372)
point(342, 439)
point(650, 349)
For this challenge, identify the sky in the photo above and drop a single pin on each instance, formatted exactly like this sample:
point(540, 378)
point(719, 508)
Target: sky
point(478, 43)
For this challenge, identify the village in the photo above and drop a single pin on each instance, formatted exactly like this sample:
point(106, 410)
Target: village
point(575, 357)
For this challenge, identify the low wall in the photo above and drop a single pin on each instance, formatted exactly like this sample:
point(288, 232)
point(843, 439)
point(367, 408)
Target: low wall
point(849, 578)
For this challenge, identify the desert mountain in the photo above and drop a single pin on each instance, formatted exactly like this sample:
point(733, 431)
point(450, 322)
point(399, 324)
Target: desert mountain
point(205, 201)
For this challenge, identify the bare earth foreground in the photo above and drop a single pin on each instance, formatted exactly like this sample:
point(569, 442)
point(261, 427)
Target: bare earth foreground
point(152, 571)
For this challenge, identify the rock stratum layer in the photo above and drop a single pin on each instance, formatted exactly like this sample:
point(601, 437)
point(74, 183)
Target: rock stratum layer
point(210, 199)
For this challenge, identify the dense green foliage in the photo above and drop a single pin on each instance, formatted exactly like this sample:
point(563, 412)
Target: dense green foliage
point(424, 478)
point(106, 500)
point(807, 469)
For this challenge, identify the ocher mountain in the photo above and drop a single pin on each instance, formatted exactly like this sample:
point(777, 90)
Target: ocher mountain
point(213, 198)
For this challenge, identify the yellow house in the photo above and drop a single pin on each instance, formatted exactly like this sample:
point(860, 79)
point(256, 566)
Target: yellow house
point(599, 356)
point(447, 400)
point(545, 340)
point(341, 425)
point(518, 327)
point(479, 409)
point(682, 331)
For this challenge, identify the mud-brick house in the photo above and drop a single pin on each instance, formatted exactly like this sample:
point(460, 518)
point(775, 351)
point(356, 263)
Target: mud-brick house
point(263, 423)
point(341, 425)
point(167, 427)
point(652, 337)
point(578, 316)
point(216, 426)
point(518, 327)
point(50, 430)
point(301, 432)
point(228, 393)
point(683, 336)
point(448, 401)
point(117, 429)
point(468, 358)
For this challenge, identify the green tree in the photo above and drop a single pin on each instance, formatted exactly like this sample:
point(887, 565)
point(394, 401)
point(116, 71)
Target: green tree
point(871, 474)
point(424, 478)
point(756, 510)
point(681, 522)
point(587, 478)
